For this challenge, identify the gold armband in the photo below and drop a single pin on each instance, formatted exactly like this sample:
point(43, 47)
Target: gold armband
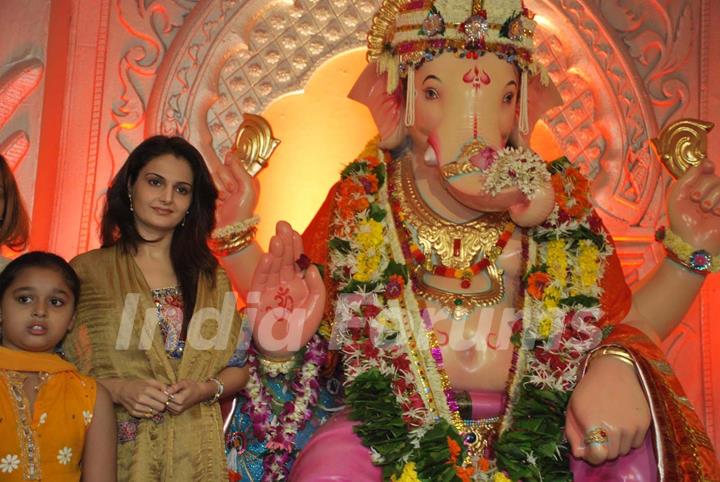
point(615, 352)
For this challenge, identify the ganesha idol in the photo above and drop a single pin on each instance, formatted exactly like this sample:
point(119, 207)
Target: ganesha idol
point(478, 321)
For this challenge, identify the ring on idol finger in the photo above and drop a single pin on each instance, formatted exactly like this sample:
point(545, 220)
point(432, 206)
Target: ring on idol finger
point(303, 262)
point(596, 436)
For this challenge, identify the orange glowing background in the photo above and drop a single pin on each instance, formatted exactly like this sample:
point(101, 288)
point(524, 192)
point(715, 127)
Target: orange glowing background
point(321, 130)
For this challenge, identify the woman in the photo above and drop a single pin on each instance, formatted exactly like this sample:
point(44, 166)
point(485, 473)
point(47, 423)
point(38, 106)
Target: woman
point(156, 323)
point(13, 218)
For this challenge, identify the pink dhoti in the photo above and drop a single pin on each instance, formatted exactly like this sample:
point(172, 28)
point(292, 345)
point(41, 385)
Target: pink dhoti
point(336, 453)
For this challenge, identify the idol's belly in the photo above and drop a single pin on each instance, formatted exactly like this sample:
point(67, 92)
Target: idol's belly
point(477, 351)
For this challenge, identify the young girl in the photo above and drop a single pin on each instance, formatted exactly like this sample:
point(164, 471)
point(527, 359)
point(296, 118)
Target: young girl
point(55, 424)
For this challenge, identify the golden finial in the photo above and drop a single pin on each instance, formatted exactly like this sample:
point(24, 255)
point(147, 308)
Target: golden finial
point(255, 142)
point(682, 145)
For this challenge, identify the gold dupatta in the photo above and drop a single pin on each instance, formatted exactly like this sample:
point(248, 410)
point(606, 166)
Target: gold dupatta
point(113, 337)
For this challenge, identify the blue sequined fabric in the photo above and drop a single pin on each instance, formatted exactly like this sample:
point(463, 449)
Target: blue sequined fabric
point(245, 452)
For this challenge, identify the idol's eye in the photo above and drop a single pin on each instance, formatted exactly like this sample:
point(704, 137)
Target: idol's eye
point(508, 98)
point(431, 94)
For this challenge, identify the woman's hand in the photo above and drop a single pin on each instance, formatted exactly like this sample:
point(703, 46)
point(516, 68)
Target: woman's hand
point(141, 398)
point(609, 398)
point(188, 393)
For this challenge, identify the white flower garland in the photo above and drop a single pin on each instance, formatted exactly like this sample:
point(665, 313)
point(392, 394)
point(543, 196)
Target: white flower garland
point(516, 167)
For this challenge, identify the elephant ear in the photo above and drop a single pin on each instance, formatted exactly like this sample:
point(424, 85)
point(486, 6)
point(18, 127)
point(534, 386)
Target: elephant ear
point(541, 98)
point(387, 109)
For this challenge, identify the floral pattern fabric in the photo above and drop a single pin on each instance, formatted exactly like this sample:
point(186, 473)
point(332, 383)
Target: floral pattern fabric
point(45, 443)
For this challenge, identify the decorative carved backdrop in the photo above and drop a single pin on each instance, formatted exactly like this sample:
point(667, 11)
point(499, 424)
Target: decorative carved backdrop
point(192, 67)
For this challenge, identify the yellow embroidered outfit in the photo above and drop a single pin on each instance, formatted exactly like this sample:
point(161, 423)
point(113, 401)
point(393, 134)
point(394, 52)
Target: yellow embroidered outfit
point(47, 442)
point(107, 343)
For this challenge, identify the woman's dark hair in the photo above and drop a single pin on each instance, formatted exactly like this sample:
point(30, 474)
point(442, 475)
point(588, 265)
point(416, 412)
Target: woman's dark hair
point(14, 218)
point(40, 259)
point(189, 251)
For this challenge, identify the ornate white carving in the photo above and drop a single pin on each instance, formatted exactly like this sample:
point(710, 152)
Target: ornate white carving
point(252, 53)
point(15, 87)
point(635, 61)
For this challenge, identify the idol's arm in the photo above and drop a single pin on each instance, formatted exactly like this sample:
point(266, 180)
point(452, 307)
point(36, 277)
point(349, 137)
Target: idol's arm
point(661, 303)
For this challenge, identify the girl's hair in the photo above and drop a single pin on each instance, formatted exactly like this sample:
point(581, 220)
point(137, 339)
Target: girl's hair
point(40, 259)
point(189, 251)
point(13, 219)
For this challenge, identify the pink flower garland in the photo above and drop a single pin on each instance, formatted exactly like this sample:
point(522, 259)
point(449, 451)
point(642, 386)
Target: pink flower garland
point(279, 434)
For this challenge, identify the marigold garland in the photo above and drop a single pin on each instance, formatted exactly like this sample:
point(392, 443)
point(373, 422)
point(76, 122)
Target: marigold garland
point(561, 310)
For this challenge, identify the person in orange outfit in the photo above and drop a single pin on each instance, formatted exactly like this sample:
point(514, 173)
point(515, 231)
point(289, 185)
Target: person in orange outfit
point(55, 424)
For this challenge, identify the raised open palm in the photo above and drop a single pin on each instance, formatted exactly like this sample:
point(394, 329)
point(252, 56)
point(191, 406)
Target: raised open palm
point(286, 303)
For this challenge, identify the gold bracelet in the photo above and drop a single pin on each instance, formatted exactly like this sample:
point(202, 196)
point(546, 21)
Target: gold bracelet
point(232, 230)
point(275, 368)
point(218, 393)
point(615, 352)
point(231, 244)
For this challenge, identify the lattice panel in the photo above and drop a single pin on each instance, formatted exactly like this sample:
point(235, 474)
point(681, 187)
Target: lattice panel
point(286, 43)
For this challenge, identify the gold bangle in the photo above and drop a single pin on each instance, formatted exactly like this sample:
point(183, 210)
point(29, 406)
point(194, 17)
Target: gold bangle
point(231, 244)
point(615, 352)
point(232, 230)
point(274, 368)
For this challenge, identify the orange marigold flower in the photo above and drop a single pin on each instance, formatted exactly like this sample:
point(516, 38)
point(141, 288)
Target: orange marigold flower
point(372, 161)
point(369, 183)
point(571, 192)
point(348, 187)
point(454, 449)
point(537, 283)
point(465, 474)
point(351, 198)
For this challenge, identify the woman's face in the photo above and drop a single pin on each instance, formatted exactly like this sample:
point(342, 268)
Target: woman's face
point(161, 195)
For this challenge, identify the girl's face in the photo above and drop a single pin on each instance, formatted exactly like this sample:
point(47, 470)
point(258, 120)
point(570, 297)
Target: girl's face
point(162, 194)
point(36, 310)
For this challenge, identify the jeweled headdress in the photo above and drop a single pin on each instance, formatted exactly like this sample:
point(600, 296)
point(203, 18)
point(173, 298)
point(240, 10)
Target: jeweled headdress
point(406, 33)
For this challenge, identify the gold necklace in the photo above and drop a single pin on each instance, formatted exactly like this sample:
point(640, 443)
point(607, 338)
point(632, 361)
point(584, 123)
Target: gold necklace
point(461, 305)
point(455, 244)
point(459, 244)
